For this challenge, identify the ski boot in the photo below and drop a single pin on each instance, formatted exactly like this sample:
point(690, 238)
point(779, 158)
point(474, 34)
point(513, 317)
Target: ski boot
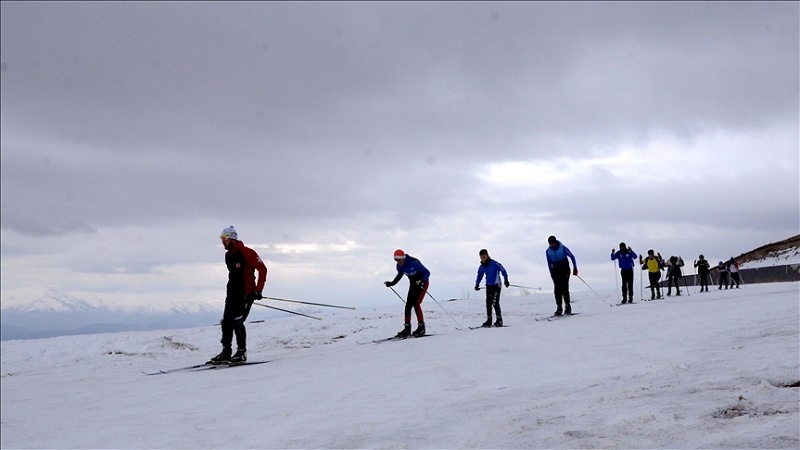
point(420, 331)
point(558, 312)
point(488, 323)
point(499, 322)
point(223, 358)
point(240, 357)
point(406, 331)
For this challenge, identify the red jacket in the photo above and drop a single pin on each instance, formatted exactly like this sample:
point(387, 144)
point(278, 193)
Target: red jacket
point(242, 263)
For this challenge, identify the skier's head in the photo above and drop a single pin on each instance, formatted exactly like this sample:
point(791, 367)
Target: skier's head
point(622, 246)
point(651, 252)
point(702, 257)
point(484, 255)
point(228, 235)
point(399, 256)
point(552, 241)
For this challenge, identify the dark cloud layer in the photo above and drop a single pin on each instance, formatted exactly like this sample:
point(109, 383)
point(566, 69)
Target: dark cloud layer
point(381, 116)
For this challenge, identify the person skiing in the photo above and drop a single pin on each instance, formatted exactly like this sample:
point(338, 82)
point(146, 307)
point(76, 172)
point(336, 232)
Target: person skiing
point(557, 254)
point(733, 270)
point(723, 275)
point(674, 274)
point(626, 258)
point(242, 290)
point(492, 269)
point(418, 285)
point(653, 264)
point(703, 268)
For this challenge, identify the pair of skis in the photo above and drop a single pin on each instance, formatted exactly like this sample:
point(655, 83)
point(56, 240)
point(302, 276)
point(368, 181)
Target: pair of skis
point(393, 338)
point(555, 317)
point(205, 366)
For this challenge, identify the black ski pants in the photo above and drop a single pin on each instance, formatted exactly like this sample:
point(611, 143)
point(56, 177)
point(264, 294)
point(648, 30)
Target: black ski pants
point(493, 300)
point(655, 287)
point(627, 283)
point(237, 308)
point(416, 294)
point(704, 282)
point(560, 276)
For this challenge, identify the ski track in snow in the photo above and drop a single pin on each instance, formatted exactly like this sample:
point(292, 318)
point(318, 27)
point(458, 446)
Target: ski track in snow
point(707, 370)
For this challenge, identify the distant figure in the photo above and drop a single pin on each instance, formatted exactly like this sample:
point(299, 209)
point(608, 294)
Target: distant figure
point(703, 268)
point(653, 264)
point(674, 274)
point(733, 269)
point(242, 290)
point(557, 254)
point(723, 275)
point(626, 258)
point(492, 269)
point(417, 287)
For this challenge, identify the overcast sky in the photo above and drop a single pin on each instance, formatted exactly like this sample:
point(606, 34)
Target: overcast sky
point(329, 134)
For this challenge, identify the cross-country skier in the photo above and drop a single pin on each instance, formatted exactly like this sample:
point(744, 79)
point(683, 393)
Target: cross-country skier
point(557, 254)
point(733, 269)
point(723, 275)
point(492, 269)
point(674, 274)
point(626, 258)
point(653, 265)
point(417, 287)
point(703, 267)
point(242, 290)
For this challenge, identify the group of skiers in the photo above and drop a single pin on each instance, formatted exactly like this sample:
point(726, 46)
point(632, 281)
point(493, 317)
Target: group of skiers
point(654, 264)
point(558, 259)
point(244, 288)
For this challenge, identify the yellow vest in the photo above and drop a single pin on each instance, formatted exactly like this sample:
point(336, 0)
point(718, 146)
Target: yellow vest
point(652, 265)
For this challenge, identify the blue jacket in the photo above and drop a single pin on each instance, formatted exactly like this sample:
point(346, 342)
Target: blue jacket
point(558, 258)
point(413, 269)
point(492, 270)
point(626, 260)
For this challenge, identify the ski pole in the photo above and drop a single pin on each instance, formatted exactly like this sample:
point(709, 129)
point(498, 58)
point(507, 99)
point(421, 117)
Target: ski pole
point(458, 327)
point(616, 283)
point(286, 310)
point(308, 303)
point(587, 285)
point(526, 287)
point(398, 295)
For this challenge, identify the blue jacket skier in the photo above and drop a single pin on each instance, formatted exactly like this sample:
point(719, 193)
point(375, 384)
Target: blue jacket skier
point(626, 259)
point(418, 285)
point(557, 254)
point(492, 269)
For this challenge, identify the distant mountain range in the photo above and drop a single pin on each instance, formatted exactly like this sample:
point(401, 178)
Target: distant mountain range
point(59, 314)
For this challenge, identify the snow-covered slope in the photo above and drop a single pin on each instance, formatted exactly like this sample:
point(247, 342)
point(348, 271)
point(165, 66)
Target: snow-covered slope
point(708, 370)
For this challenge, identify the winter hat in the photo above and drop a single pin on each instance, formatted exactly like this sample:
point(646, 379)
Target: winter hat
point(399, 254)
point(229, 233)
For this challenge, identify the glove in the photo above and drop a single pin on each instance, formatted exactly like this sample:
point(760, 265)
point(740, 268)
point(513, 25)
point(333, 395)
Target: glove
point(477, 288)
point(506, 284)
point(575, 272)
point(258, 295)
point(388, 283)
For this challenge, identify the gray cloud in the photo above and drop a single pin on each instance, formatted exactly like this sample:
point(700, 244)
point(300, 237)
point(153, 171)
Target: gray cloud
point(300, 119)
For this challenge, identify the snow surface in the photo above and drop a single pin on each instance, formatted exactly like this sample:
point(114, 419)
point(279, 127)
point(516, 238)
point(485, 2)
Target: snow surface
point(701, 371)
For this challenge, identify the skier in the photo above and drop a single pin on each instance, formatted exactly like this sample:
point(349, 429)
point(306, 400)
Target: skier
point(557, 254)
point(492, 269)
point(733, 269)
point(723, 275)
point(626, 258)
point(418, 285)
point(242, 290)
point(653, 265)
point(703, 267)
point(674, 274)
